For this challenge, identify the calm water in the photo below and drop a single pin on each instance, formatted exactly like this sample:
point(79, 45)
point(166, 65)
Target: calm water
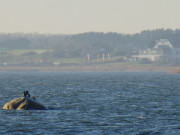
point(93, 103)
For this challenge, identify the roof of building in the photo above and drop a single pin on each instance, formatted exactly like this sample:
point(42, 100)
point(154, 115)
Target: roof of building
point(163, 43)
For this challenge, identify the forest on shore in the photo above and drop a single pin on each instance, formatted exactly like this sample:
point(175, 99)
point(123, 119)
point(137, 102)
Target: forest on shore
point(24, 49)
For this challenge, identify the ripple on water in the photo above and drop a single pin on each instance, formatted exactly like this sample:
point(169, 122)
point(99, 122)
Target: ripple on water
point(93, 103)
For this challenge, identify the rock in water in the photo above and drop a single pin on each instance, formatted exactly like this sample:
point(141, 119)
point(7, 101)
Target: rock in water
point(24, 103)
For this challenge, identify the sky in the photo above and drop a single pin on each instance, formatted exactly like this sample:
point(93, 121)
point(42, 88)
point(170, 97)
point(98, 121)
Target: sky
point(79, 16)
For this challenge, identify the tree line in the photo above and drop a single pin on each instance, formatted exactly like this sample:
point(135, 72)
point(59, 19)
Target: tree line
point(77, 45)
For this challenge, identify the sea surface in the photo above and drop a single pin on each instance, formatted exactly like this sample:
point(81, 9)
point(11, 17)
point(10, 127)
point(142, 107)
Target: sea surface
point(93, 103)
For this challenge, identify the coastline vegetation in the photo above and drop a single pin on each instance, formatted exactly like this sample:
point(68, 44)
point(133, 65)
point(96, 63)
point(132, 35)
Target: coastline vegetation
point(86, 51)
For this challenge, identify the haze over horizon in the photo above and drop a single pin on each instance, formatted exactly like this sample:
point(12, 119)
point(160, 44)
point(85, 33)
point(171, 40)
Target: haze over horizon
point(79, 16)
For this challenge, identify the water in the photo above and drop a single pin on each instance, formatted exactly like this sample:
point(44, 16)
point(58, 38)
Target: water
point(93, 103)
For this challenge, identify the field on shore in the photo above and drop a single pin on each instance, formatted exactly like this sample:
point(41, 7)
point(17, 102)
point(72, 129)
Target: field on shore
point(41, 60)
point(98, 67)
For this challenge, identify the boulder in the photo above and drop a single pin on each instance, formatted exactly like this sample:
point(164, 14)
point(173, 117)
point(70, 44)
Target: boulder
point(24, 103)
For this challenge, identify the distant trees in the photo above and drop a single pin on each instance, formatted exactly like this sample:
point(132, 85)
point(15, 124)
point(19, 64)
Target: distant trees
point(79, 45)
point(18, 43)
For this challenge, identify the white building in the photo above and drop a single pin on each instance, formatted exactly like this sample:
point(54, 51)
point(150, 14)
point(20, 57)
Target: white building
point(162, 51)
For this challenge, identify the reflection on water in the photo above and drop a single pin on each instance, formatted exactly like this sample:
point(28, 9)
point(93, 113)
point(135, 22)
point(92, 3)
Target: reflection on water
point(93, 103)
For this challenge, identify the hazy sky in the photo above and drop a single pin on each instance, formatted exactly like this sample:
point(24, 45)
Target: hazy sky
point(78, 16)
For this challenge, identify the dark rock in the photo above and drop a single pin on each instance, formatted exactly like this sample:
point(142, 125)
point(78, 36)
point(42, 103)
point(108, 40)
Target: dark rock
point(24, 103)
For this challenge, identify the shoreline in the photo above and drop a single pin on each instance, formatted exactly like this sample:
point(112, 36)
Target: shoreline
point(128, 68)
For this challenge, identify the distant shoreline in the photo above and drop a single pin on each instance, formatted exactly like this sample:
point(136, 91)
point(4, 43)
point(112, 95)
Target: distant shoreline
point(133, 68)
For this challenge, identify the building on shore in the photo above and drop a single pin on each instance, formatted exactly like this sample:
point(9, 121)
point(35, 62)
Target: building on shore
point(163, 51)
